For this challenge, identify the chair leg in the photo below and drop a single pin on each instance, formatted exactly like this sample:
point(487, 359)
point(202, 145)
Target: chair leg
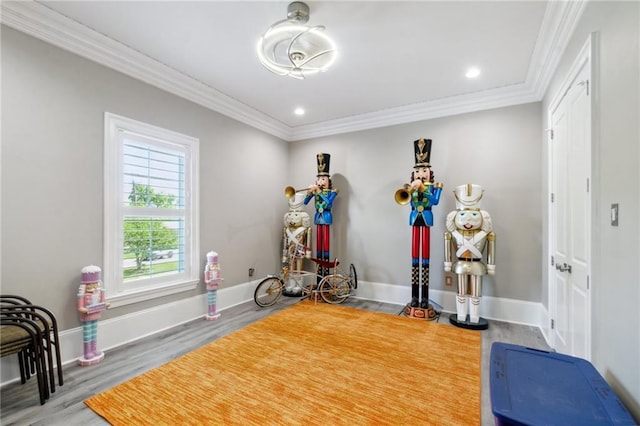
point(41, 371)
point(42, 379)
point(23, 368)
point(49, 356)
point(58, 358)
point(38, 360)
point(31, 367)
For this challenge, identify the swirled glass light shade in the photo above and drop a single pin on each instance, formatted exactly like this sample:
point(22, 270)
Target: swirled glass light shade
point(292, 48)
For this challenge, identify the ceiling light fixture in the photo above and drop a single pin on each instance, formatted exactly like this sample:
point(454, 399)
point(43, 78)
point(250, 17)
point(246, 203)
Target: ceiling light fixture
point(299, 111)
point(472, 72)
point(291, 47)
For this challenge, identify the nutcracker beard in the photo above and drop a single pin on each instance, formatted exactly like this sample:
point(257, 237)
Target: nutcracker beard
point(420, 266)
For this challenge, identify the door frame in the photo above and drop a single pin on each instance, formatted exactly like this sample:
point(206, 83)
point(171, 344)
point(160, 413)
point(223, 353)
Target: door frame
point(587, 56)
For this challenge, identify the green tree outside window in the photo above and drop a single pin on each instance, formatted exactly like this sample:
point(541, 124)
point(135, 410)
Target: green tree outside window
point(143, 235)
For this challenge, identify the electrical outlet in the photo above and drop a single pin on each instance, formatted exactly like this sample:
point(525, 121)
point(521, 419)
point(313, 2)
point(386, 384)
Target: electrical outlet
point(448, 280)
point(251, 271)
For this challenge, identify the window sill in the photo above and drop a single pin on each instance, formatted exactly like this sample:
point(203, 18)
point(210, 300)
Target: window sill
point(130, 297)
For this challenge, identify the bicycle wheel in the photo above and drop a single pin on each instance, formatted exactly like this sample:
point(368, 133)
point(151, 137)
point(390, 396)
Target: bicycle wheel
point(268, 291)
point(334, 289)
point(353, 276)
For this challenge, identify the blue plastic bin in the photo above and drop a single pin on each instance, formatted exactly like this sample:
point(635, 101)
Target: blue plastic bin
point(533, 387)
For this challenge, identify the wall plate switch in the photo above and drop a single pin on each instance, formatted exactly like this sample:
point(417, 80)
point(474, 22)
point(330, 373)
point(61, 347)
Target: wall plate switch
point(614, 214)
point(448, 281)
point(251, 271)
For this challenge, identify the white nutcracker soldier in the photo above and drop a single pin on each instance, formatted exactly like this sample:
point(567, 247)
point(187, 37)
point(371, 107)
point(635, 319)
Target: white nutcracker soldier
point(468, 237)
point(296, 239)
point(91, 303)
point(212, 278)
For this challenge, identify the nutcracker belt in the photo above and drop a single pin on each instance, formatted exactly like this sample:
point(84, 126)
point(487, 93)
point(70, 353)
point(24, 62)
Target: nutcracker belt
point(469, 267)
point(422, 208)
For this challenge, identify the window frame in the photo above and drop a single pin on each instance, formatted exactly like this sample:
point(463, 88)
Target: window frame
point(119, 292)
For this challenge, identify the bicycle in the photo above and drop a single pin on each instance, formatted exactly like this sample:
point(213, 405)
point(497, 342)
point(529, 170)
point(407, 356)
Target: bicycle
point(334, 288)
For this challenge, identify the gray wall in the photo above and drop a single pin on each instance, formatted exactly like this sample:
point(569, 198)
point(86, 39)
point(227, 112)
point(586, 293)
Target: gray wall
point(499, 149)
point(53, 105)
point(616, 254)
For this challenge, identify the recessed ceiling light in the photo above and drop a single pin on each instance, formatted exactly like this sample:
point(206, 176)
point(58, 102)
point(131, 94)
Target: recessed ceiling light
point(299, 111)
point(472, 72)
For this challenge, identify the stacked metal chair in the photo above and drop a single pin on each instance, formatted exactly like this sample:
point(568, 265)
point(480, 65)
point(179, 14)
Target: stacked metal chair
point(31, 332)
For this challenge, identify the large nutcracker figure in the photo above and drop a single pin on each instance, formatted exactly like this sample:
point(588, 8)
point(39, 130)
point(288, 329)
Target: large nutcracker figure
point(212, 278)
point(422, 193)
point(323, 194)
point(296, 238)
point(469, 234)
point(91, 303)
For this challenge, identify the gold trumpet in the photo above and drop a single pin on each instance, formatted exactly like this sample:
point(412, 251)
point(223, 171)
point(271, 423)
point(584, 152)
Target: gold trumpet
point(290, 191)
point(403, 195)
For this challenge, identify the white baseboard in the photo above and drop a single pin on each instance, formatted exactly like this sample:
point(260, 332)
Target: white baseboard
point(125, 329)
point(495, 308)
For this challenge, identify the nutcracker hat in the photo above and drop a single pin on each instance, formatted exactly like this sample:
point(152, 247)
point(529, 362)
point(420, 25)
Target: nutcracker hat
point(323, 164)
point(468, 196)
point(212, 257)
point(296, 202)
point(422, 149)
point(90, 274)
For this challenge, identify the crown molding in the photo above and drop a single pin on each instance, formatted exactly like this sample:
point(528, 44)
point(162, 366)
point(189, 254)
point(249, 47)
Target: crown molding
point(559, 23)
point(479, 101)
point(39, 21)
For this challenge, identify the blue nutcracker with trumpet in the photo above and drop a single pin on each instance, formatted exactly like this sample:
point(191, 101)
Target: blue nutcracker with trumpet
point(422, 193)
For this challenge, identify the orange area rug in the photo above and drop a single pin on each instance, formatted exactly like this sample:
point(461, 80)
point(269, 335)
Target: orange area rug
point(312, 364)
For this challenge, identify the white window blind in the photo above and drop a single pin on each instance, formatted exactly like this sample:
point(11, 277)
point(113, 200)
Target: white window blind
point(151, 246)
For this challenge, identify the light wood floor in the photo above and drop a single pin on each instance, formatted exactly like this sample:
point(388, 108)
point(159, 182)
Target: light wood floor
point(20, 404)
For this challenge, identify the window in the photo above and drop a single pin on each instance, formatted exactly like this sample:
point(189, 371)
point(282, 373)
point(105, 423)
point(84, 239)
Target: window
point(151, 211)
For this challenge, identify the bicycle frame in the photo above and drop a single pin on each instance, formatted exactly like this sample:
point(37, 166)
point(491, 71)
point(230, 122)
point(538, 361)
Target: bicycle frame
point(332, 288)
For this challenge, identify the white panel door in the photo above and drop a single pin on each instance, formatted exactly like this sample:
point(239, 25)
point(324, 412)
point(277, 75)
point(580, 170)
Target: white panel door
point(559, 288)
point(570, 214)
point(579, 168)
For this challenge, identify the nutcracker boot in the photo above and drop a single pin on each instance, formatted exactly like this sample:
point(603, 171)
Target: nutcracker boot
point(88, 354)
point(424, 304)
point(94, 342)
point(87, 329)
point(461, 307)
point(327, 270)
point(319, 270)
point(474, 309)
point(415, 289)
point(461, 299)
point(212, 296)
point(94, 348)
